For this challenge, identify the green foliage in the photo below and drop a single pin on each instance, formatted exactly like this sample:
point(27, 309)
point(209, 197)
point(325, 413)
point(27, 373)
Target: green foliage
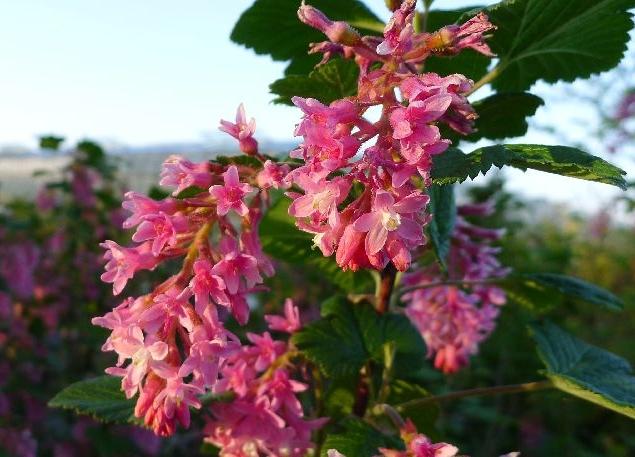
point(99, 397)
point(190, 192)
point(359, 334)
point(282, 240)
point(272, 27)
point(357, 438)
point(443, 210)
point(455, 166)
point(238, 160)
point(501, 116)
point(586, 371)
point(51, 142)
point(423, 416)
point(557, 40)
point(332, 81)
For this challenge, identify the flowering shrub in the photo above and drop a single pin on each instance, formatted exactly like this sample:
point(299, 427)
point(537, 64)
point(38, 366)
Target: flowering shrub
point(378, 196)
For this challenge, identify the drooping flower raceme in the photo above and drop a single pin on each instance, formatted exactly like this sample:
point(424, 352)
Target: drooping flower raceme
point(365, 203)
point(452, 320)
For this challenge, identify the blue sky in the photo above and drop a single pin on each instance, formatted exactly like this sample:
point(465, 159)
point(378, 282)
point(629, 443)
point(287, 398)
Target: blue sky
point(149, 72)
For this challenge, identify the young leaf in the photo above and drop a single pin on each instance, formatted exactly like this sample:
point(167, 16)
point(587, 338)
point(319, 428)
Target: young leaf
point(557, 40)
point(99, 397)
point(272, 26)
point(358, 439)
point(360, 334)
point(537, 289)
point(455, 166)
point(586, 371)
point(282, 240)
point(331, 81)
point(443, 210)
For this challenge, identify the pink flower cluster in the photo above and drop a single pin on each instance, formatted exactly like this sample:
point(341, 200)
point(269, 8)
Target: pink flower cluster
point(265, 416)
point(171, 343)
point(362, 201)
point(454, 320)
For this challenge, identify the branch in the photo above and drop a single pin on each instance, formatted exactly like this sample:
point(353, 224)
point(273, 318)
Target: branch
point(385, 288)
point(479, 392)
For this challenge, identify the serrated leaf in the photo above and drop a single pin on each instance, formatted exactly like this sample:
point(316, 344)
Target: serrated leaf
point(557, 40)
point(282, 240)
point(443, 210)
point(272, 26)
point(359, 334)
point(358, 439)
point(455, 166)
point(586, 371)
point(332, 81)
point(99, 397)
point(469, 62)
point(537, 290)
point(501, 116)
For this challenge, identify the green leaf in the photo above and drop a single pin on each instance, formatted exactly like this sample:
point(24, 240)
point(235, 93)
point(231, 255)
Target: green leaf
point(359, 334)
point(469, 62)
point(443, 210)
point(241, 159)
point(282, 240)
point(99, 397)
point(586, 371)
point(190, 192)
point(51, 142)
point(501, 116)
point(272, 26)
point(358, 439)
point(423, 416)
point(557, 40)
point(331, 81)
point(455, 166)
point(536, 290)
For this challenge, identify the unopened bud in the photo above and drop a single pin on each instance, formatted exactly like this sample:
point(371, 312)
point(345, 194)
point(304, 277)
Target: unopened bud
point(338, 32)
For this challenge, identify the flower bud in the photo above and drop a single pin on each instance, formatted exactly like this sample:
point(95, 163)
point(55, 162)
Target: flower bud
point(338, 32)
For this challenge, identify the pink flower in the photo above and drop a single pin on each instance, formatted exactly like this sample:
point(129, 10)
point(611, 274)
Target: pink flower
point(123, 263)
point(388, 217)
point(177, 397)
point(272, 175)
point(290, 323)
point(467, 35)
point(398, 32)
point(141, 206)
point(338, 112)
point(162, 229)
point(242, 130)
point(235, 265)
point(18, 263)
point(321, 198)
point(205, 285)
point(206, 353)
point(230, 196)
point(181, 173)
point(265, 349)
point(131, 344)
point(166, 307)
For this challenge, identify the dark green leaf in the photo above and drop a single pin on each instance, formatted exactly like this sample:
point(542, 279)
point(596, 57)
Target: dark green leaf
point(358, 439)
point(282, 240)
point(423, 416)
point(455, 166)
point(100, 398)
point(557, 40)
point(539, 290)
point(586, 371)
point(331, 81)
point(242, 159)
point(51, 142)
point(443, 210)
point(272, 26)
point(501, 116)
point(359, 334)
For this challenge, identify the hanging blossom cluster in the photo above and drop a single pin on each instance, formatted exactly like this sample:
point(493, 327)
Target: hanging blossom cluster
point(265, 416)
point(171, 343)
point(454, 321)
point(360, 200)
